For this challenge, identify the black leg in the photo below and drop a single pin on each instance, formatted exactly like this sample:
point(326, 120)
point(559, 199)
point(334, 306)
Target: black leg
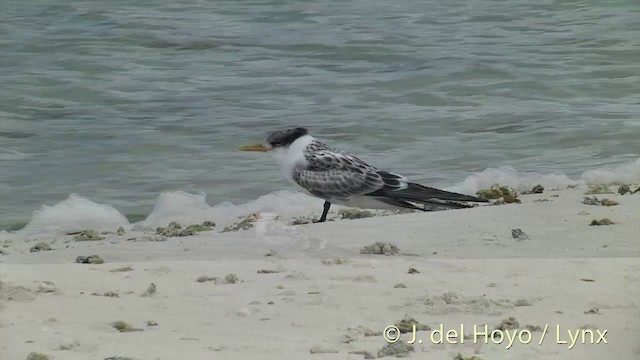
point(323, 218)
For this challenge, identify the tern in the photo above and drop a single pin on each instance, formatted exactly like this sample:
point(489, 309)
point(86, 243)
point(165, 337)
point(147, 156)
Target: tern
point(338, 177)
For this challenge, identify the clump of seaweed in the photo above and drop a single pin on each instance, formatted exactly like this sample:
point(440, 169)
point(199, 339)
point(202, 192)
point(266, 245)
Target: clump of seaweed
point(87, 235)
point(41, 246)
point(462, 357)
point(123, 326)
point(367, 355)
point(533, 328)
point(397, 349)
point(538, 189)
point(353, 214)
point(91, 259)
point(206, 278)
point(244, 224)
point(174, 229)
point(601, 222)
point(301, 220)
point(598, 189)
point(151, 289)
point(406, 325)
point(380, 248)
point(592, 200)
point(624, 189)
point(509, 323)
point(38, 356)
point(502, 194)
point(231, 279)
point(122, 269)
point(336, 261)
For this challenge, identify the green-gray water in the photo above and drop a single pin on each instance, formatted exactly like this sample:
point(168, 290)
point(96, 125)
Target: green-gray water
point(120, 100)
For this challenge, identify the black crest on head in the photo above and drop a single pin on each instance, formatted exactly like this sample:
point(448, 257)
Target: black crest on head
point(285, 137)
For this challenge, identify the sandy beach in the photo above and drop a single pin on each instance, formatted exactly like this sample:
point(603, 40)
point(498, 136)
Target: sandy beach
point(279, 291)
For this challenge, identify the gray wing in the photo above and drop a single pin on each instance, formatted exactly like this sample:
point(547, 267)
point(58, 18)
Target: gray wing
point(335, 174)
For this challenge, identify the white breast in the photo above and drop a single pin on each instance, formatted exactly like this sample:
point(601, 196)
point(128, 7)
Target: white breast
point(293, 157)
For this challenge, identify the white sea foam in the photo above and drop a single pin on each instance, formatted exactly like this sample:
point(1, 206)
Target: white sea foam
point(623, 174)
point(77, 213)
point(509, 176)
point(74, 214)
point(193, 208)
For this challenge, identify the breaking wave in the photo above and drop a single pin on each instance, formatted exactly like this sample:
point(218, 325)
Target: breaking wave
point(77, 213)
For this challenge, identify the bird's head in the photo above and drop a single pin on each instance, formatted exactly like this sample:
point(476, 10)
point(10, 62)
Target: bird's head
point(277, 139)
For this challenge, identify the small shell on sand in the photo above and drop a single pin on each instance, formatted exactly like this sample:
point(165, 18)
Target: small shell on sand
point(413, 270)
point(608, 202)
point(205, 278)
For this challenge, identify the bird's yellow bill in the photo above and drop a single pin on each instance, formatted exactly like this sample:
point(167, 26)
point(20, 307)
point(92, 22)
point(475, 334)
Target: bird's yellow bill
point(254, 147)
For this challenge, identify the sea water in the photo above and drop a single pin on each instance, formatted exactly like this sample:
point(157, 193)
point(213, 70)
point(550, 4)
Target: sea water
point(131, 111)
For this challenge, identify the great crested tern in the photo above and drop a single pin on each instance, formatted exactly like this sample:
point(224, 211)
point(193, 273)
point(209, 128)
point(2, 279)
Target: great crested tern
point(339, 177)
